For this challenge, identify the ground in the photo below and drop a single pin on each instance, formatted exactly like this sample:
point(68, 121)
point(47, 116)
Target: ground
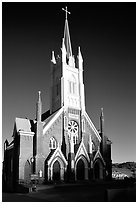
point(98, 191)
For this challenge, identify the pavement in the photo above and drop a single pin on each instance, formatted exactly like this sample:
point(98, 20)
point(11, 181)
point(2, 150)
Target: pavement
point(78, 192)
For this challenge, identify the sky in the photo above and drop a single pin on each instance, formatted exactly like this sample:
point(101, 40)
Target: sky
point(106, 33)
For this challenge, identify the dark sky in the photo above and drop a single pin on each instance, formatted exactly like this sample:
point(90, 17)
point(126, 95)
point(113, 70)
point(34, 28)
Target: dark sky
point(106, 33)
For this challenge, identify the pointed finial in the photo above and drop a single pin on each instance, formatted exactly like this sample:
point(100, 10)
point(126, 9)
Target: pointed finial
point(39, 107)
point(102, 122)
point(53, 58)
point(102, 112)
point(80, 55)
point(39, 92)
point(67, 12)
point(39, 95)
point(79, 49)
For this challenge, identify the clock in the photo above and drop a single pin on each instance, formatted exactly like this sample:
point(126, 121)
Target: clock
point(73, 127)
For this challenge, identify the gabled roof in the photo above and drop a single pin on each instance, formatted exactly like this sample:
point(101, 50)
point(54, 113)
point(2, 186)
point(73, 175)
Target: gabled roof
point(57, 153)
point(98, 155)
point(92, 126)
point(51, 119)
point(82, 151)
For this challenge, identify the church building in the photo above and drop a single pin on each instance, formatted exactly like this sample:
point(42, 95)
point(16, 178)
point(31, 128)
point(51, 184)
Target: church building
point(61, 144)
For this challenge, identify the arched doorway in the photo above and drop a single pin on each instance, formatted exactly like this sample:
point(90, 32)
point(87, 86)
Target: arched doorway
point(27, 171)
point(56, 171)
point(98, 169)
point(80, 170)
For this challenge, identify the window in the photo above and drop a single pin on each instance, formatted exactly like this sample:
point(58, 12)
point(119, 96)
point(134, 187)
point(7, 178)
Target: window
point(75, 139)
point(65, 122)
point(52, 143)
point(72, 85)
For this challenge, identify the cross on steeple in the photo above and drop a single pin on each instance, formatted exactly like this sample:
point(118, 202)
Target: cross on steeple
point(67, 12)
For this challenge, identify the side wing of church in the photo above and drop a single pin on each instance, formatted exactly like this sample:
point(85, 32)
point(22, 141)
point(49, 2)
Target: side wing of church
point(61, 144)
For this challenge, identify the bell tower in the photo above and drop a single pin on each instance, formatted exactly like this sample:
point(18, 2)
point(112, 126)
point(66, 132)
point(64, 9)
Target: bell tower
point(67, 88)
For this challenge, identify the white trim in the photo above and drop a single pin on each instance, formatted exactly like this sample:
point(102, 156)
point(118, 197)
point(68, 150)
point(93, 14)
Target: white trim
point(83, 125)
point(98, 155)
point(54, 155)
point(10, 147)
point(25, 133)
point(85, 166)
point(92, 126)
point(62, 168)
point(65, 122)
point(84, 151)
point(52, 121)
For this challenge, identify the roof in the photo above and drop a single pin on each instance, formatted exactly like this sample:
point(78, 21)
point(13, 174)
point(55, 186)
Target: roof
point(45, 115)
point(49, 118)
point(92, 126)
point(49, 121)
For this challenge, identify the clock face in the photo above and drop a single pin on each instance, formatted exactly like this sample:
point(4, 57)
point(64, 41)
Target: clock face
point(73, 127)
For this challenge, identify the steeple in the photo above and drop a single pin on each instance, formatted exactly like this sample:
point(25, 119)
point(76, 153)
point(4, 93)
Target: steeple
point(39, 107)
point(66, 38)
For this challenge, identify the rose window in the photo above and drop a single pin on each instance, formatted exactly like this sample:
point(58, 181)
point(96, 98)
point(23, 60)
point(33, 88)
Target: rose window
point(73, 127)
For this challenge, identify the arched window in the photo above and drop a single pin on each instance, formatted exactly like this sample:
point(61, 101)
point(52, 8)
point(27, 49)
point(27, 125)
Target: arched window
point(93, 146)
point(65, 122)
point(52, 143)
point(75, 139)
point(72, 85)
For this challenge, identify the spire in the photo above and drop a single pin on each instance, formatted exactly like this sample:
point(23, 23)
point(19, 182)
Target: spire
point(67, 41)
point(102, 121)
point(39, 107)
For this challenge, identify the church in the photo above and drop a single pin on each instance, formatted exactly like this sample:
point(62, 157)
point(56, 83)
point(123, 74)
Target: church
point(61, 144)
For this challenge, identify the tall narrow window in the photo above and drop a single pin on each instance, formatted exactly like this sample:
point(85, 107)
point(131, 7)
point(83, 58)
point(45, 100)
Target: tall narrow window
point(65, 122)
point(72, 85)
point(52, 143)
